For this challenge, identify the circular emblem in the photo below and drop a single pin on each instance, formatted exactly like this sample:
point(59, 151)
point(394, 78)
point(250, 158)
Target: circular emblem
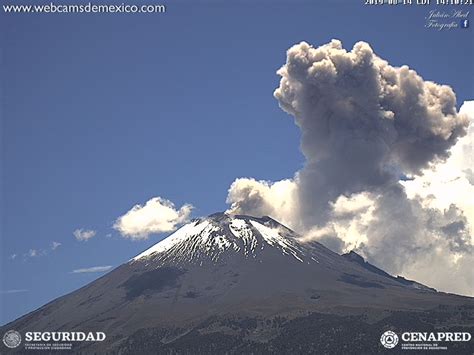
point(12, 339)
point(389, 339)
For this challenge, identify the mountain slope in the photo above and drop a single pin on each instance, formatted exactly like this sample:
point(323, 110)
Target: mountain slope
point(233, 283)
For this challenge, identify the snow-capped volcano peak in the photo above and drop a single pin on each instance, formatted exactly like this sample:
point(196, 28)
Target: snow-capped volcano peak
point(223, 234)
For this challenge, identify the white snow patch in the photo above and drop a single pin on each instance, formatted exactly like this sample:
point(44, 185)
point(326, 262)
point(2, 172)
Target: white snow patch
point(241, 230)
point(272, 236)
point(222, 242)
point(206, 237)
point(181, 234)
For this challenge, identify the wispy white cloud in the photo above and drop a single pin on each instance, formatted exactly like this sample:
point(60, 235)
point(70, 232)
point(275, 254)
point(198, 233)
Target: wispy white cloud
point(33, 253)
point(93, 269)
point(36, 253)
point(84, 234)
point(6, 292)
point(158, 215)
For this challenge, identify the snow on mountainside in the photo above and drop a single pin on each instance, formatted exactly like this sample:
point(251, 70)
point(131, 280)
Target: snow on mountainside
point(223, 238)
point(219, 234)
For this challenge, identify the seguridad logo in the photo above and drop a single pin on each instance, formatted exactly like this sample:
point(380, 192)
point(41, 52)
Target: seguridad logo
point(12, 339)
point(65, 336)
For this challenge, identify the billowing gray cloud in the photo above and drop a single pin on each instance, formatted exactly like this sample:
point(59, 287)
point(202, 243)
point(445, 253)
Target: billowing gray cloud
point(364, 125)
point(454, 227)
point(402, 230)
point(363, 122)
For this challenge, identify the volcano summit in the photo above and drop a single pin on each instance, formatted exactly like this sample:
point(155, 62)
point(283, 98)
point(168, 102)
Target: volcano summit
point(241, 284)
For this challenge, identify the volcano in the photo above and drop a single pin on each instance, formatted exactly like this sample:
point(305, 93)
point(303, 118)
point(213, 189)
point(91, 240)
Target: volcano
point(241, 284)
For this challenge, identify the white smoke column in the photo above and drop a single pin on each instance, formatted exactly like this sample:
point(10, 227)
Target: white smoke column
point(365, 125)
point(265, 198)
point(363, 122)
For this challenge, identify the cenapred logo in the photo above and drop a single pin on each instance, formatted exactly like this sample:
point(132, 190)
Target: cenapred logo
point(389, 339)
point(12, 339)
point(423, 340)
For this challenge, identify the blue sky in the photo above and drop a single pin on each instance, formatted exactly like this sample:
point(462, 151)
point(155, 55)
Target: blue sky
point(101, 112)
